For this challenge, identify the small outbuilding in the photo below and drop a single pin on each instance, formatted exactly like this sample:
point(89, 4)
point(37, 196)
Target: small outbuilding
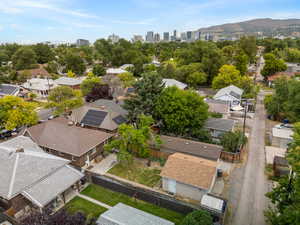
point(281, 137)
point(188, 176)
point(122, 214)
point(231, 93)
point(218, 127)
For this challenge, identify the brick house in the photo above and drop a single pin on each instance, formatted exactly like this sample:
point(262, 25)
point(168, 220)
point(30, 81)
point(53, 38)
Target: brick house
point(61, 138)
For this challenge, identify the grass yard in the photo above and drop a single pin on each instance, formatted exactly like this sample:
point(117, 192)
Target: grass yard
point(112, 198)
point(89, 209)
point(138, 173)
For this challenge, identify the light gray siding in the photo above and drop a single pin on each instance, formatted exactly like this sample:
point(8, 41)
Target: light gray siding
point(280, 142)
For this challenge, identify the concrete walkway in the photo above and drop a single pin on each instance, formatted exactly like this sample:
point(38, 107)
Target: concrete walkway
point(105, 165)
point(93, 201)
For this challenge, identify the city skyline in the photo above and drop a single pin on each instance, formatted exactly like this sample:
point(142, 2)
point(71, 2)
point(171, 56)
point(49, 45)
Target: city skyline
point(30, 21)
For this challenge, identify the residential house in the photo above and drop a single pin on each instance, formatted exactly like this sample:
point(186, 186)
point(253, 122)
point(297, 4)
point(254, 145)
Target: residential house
point(281, 137)
point(172, 145)
point(173, 82)
point(218, 106)
point(109, 105)
point(272, 151)
point(126, 66)
point(272, 78)
point(115, 71)
point(70, 82)
point(39, 72)
point(293, 67)
point(188, 176)
point(218, 127)
point(122, 214)
point(32, 179)
point(9, 89)
point(280, 166)
point(97, 117)
point(231, 94)
point(39, 86)
point(60, 137)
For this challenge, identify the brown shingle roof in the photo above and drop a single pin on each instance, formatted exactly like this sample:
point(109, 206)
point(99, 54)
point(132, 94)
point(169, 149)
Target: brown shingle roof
point(56, 134)
point(195, 148)
point(281, 74)
point(41, 71)
point(190, 170)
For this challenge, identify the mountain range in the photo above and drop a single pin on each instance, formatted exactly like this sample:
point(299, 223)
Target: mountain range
point(264, 27)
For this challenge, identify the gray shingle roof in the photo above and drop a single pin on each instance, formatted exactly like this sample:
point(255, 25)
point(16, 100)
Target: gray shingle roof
point(173, 82)
point(122, 214)
point(55, 184)
point(23, 169)
point(8, 89)
point(230, 90)
point(219, 124)
point(109, 105)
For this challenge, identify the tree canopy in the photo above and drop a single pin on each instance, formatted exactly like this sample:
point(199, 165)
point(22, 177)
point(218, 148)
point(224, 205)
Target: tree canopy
point(146, 93)
point(272, 65)
point(88, 84)
point(15, 112)
point(286, 195)
point(199, 217)
point(181, 112)
point(134, 140)
point(63, 99)
point(24, 58)
point(227, 75)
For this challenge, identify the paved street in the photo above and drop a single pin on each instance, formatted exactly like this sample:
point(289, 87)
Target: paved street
point(250, 183)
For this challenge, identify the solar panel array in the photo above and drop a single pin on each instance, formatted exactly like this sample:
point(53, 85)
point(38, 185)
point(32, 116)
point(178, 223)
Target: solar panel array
point(94, 118)
point(119, 120)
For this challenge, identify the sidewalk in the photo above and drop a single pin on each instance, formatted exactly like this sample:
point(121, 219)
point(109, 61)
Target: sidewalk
point(93, 201)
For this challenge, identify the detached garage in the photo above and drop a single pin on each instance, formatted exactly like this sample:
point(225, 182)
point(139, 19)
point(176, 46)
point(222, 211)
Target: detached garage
point(188, 176)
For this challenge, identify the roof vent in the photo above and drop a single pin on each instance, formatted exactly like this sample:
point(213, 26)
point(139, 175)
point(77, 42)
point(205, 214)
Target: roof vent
point(19, 150)
point(70, 123)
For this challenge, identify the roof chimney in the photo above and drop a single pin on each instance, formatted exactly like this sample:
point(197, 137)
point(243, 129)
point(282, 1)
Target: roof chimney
point(19, 150)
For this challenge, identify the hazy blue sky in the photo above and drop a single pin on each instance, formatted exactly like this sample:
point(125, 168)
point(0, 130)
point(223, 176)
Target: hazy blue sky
point(67, 20)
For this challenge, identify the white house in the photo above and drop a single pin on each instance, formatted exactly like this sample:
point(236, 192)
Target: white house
point(115, 71)
point(173, 82)
point(39, 86)
point(231, 94)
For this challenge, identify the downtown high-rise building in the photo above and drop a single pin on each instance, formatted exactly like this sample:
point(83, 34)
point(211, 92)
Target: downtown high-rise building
point(150, 36)
point(166, 36)
point(157, 37)
point(114, 38)
point(137, 38)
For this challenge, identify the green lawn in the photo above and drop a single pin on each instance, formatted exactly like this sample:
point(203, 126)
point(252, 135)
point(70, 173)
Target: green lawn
point(137, 173)
point(112, 198)
point(89, 209)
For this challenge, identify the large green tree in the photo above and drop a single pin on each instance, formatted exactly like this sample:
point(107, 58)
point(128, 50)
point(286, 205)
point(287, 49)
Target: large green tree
point(43, 53)
point(228, 75)
point(181, 112)
point(285, 196)
point(99, 70)
point(24, 58)
point(15, 112)
point(64, 99)
point(147, 91)
point(248, 45)
point(199, 217)
point(74, 63)
point(272, 65)
point(134, 140)
point(88, 84)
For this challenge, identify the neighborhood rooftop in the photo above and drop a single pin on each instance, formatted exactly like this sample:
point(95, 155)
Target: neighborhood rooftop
point(286, 133)
point(8, 89)
point(69, 81)
point(196, 148)
point(29, 171)
point(173, 82)
point(230, 90)
point(219, 124)
point(109, 105)
point(59, 135)
point(122, 214)
point(190, 170)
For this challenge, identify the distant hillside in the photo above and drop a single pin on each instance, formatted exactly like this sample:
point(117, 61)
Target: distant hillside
point(267, 27)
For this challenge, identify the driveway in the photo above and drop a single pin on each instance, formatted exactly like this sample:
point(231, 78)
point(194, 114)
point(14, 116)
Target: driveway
point(248, 184)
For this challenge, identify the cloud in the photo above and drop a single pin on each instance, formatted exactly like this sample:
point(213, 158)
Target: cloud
point(1, 28)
